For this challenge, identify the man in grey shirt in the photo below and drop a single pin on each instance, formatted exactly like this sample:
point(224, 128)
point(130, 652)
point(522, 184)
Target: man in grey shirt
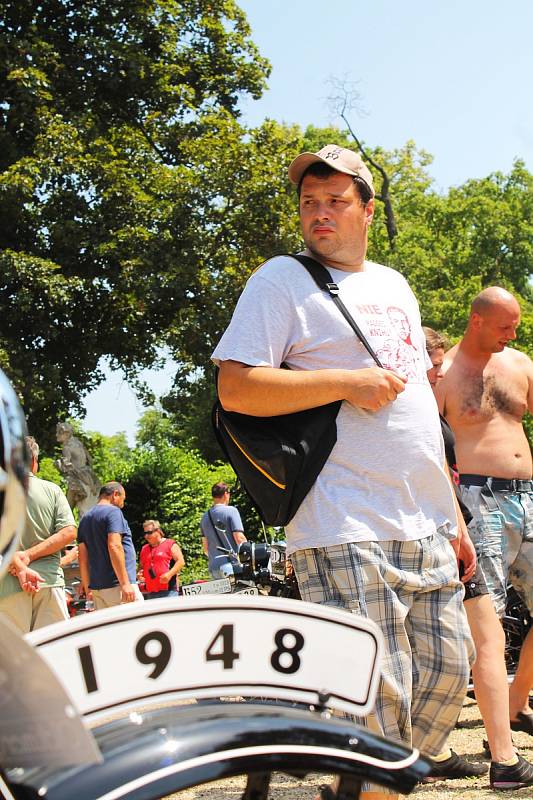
point(221, 527)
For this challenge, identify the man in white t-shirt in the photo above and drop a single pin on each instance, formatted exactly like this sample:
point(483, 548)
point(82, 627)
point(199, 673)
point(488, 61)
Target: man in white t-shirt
point(373, 534)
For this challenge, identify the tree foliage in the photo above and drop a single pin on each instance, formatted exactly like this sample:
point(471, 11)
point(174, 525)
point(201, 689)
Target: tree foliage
point(173, 486)
point(451, 245)
point(155, 428)
point(102, 104)
point(49, 472)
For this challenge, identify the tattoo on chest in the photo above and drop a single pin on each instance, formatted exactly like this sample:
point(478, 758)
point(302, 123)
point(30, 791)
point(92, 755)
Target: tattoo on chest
point(485, 395)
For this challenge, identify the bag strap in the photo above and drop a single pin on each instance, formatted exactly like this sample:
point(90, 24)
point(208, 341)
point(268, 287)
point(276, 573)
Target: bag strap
point(324, 281)
point(228, 547)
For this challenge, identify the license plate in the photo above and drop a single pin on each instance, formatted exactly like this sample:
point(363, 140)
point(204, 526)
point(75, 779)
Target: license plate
point(220, 586)
point(203, 647)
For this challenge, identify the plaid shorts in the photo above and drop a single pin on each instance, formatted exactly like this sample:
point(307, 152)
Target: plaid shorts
point(502, 532)
point(412, 591)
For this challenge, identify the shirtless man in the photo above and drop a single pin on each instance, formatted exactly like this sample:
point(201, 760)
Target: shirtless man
point(485, 392)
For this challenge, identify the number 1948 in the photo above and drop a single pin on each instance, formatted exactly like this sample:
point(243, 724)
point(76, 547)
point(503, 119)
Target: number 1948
point(285, 657)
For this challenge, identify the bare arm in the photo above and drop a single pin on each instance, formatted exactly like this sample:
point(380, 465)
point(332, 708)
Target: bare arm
point(83, 561)
point(444, 386)
point(267, 391)
point(205, 546)
point(118, 562)
point(179, 563)
point(70, 556)
point(239, 537)
point(529, 373)
point(54, 543)
point(467, 554)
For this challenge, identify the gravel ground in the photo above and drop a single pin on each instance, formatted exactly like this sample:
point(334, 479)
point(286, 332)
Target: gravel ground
point(466, 740)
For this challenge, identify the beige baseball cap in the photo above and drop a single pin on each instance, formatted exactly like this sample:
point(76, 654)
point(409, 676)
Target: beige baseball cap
point(339, 158)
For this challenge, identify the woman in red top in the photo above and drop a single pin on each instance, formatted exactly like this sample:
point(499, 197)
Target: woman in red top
point(160, 578)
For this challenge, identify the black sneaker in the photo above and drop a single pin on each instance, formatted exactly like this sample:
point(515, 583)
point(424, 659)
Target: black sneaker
point(453, 768)
point(523, 722)
point(515, 777)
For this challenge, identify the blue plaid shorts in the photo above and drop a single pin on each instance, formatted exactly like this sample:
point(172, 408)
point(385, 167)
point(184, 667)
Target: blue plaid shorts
point(502, 532)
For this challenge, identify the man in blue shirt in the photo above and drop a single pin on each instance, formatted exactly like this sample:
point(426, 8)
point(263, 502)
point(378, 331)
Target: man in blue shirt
point(106, 553)
point(221, 527)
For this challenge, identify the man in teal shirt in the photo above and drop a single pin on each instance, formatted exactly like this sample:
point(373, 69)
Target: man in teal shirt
point(49, 528)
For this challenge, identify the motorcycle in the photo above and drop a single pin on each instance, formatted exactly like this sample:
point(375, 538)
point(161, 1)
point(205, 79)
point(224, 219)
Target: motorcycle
point(258, 568)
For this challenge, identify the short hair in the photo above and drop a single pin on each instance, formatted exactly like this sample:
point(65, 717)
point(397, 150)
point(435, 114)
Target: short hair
point(322, 171)
point(153, 522)
point(32, 447)
point(109, 488)
point(434, 340)
point(219, 489)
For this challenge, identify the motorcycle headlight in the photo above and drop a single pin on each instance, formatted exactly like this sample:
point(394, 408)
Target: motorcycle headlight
point(255, 556)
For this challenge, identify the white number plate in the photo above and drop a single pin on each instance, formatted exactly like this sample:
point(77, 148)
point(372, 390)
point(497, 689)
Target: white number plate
point(220, 586)
point(200, 647)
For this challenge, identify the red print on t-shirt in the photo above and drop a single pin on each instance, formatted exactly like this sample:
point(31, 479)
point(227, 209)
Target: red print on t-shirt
point(397, 352)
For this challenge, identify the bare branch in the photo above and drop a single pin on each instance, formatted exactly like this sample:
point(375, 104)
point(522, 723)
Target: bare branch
point(346, 98)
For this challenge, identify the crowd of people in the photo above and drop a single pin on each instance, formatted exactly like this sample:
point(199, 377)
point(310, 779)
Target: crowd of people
point(419, 521)
point(110, 573)
point(32, 597)
point(105, 553)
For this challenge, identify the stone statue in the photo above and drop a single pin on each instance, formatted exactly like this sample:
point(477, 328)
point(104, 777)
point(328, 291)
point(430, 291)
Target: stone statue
point(76, 465)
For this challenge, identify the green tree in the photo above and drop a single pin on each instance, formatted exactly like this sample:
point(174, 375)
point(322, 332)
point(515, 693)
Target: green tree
point(155, 428)
point(49, 472)
point(110, 455)
point(173, 486)
point(452, 245)
point(102, 104)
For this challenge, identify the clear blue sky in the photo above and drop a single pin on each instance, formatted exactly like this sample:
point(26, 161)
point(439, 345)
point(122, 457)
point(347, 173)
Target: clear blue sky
point(456, 77)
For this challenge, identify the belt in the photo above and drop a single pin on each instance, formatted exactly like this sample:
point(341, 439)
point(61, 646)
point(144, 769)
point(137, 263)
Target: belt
point(498, 484)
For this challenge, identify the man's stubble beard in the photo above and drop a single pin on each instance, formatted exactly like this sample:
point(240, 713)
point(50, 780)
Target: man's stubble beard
point(324, 249)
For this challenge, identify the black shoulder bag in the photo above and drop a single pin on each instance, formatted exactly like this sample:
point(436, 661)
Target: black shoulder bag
point(278, 459)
